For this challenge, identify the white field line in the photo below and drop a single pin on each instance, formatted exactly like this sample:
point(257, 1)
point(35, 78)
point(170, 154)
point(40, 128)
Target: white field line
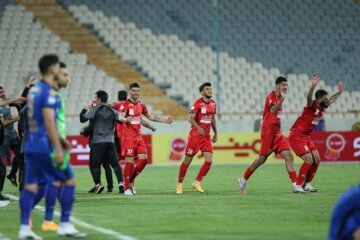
point(83, 224)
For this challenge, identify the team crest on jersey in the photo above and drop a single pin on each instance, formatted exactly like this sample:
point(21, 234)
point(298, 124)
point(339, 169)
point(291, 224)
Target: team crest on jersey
point(131, 112)
point(51, 100)
point(203, 110)
point(317, 112)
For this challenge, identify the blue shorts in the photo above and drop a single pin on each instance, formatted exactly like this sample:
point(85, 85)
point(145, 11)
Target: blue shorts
point(39, 169)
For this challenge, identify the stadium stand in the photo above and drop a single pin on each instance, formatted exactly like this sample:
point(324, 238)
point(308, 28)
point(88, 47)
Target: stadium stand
point(293, 37)
point(180, 65)
point(24, 38)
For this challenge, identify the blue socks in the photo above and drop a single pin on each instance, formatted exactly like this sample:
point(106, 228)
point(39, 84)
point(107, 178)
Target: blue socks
point(26, 204)
point(40, 194)
point(66, 201)
point(50, 201)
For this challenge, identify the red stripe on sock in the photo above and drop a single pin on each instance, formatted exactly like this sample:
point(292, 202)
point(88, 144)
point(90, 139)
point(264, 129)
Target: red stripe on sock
point(128, 171)
point(203, 170)
point(182, 172)
point(139, 166)
point(312, 172)
point(292, 176)
point(248, 173)
point(303, 173)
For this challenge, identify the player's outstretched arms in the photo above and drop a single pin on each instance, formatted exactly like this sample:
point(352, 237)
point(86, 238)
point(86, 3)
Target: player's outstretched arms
point(194, 123)
point(314, 82)
point(14, 101)
point(334, 97)
point(156, 118)
point(53, 133)
point(148, 125)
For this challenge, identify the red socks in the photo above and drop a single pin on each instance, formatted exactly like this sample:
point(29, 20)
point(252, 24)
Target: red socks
point(139, 166)
point(128, 171)
point(247, 173)
point(292, 176)
point(312, 172)
point(182, 172)
point(203, 170)
point(303, 173)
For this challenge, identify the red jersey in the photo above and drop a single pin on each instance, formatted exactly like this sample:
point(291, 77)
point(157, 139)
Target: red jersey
point(271, 121)
point(119, 126)
point(132, 130)
point(204, 113)
point(309, 118)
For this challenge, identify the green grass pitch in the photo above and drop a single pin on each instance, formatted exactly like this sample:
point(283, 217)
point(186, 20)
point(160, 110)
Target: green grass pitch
point(269, 211)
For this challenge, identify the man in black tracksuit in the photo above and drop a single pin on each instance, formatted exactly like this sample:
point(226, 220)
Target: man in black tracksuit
point(102, 146)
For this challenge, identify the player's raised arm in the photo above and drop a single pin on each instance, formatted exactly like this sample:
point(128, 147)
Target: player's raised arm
point(334, 97)
point(53, 133)
point(156, 118)
point(214, 128)
point(147, 125)
point(314, 82)
point(276, 107)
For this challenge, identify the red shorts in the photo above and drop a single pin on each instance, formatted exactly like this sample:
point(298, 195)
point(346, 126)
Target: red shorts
point(195, 144)
point(273, 143)
point(301, 144)
point(132, 147)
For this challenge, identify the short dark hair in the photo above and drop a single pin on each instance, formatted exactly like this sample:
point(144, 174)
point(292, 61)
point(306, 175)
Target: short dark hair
point(207, 84)
point(280, 80)
point(134, 85)
point(47, 61)
point(320, 93)
point(1, 87)
point(102, 95)
point(62, 65)
point(122, 95)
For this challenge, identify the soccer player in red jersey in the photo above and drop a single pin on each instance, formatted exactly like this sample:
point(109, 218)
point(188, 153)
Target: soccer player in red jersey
point(272, 139)
point(132, 143)
point(300, 132)
point(202, 118)
point(122, 97)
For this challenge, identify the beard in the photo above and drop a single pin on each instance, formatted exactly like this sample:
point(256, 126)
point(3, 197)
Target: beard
point(323, 105)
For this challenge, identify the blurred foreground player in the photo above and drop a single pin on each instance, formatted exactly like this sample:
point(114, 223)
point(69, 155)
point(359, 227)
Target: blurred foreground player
point(202, 119)
point(345, 220)
point(272, 139)
point(300, 134)
point(45, 152)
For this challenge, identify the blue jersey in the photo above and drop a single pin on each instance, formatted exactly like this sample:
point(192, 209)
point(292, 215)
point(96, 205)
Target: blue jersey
point(41, 96)
point(346, 215)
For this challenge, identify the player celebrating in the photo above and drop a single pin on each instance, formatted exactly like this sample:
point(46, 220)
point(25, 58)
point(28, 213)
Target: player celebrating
point(202, 118)
point(132, 143)
point(45, 151)
point(272, 139)
point(299, 137)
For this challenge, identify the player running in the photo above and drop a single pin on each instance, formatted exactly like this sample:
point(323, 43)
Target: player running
point(202, 118)
point(272, 139)
point(132, 143)
point(300, 132)
point(45, 151)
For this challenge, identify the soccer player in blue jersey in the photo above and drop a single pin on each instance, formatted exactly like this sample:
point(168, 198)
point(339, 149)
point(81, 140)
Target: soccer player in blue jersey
point(45, 152)
point(345, 220)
